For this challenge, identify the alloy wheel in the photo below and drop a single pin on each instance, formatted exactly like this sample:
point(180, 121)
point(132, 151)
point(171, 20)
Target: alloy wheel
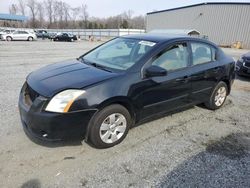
point(113, 128)
point(220, 96)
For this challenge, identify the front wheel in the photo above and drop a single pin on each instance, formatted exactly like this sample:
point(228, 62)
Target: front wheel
point(30, 39)
point(109, 126)
point(218, 97)
point(8, 38)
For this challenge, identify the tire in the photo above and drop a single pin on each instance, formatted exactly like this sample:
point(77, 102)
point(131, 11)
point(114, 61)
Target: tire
point(9, 38)
point(30, 38)
point(103, 128)
point(218, 96)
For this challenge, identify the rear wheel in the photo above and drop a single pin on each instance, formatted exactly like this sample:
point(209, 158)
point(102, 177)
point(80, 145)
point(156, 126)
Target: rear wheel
point(218, 97)
point(109, 126)
point(8, 38)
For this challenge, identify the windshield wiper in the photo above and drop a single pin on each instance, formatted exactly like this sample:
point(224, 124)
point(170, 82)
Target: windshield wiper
point(100, 66)
point(94, 64)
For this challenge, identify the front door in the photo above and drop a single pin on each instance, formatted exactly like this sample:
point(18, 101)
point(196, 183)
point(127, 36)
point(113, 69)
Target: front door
point(17, 35)
point(165, 93)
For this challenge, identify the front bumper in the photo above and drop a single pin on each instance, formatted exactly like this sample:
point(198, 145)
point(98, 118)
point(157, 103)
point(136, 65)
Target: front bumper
point(50, 126)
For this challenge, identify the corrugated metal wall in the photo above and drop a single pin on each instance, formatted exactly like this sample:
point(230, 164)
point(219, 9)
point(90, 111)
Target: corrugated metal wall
point(224, 24)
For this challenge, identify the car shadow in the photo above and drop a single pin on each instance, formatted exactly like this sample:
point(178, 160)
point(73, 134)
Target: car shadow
point(224, 163)
point(33, 183)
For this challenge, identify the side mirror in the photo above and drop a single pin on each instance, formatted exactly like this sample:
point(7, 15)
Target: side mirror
point(154, 71)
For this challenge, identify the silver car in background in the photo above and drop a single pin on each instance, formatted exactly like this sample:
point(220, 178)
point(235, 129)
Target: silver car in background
point(19, 35)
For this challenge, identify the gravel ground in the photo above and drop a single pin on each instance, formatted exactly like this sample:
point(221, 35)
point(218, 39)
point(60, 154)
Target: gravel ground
point(191, 148)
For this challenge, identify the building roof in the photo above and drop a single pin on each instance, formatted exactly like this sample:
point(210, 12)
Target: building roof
point(200, 4)
point(12, 17)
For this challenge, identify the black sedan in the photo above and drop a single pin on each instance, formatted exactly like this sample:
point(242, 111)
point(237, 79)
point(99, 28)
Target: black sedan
point(243, 65)
point(63, 37)
point(113, 87)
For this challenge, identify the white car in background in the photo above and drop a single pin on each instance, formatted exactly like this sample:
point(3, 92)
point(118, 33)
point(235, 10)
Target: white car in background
point(6, 31)
point(19, 35)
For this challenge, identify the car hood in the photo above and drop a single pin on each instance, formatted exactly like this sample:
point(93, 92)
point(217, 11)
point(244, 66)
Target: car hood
point(57, 77)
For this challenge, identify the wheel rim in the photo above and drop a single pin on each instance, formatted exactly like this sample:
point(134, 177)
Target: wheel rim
point(113, 128)
point(220, 96)
point(8, 39)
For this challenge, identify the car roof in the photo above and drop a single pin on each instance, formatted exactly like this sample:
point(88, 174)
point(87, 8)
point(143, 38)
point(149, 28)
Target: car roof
point(157, 37)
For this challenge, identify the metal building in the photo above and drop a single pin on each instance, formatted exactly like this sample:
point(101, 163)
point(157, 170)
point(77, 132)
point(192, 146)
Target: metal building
point(12, 17)
point(10, 20)
point(223, 23)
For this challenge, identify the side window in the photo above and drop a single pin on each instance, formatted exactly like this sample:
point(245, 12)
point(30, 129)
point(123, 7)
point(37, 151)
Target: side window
point(175, 57)
point(202, 53)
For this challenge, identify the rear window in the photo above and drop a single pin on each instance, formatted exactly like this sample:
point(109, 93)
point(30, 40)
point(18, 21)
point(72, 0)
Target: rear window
point(203, 53)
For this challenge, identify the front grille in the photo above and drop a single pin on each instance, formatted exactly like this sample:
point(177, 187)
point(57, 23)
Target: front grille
point(32, 93)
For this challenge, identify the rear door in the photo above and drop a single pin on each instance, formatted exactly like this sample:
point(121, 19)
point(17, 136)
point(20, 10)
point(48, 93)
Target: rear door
point(23, 35)
point(205, 70)
point(165, 93)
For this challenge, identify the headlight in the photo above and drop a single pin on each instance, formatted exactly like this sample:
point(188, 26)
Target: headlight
point(62, 101)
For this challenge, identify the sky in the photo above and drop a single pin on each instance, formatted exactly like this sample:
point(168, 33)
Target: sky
point(105, 8)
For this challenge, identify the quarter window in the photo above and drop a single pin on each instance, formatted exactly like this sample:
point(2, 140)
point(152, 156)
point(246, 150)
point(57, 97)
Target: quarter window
point(175, 57)
point(202, 53)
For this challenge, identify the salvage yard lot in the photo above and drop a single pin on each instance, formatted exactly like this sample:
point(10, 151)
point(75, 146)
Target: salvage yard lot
point(193, 148)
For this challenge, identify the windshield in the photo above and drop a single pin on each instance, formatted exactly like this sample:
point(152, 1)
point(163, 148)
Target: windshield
point(120, 53)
